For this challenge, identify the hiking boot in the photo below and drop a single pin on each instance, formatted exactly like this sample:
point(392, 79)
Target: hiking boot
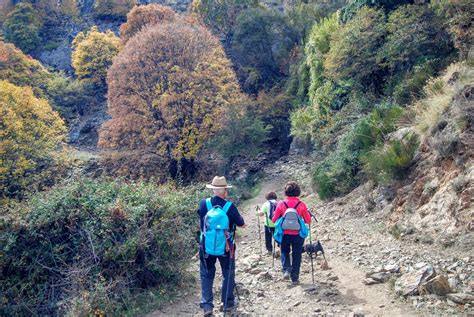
point(228, 309)
point(294, 283)
point(207, 312)
point(286, 275)
point(277, 253)
point(270, 253)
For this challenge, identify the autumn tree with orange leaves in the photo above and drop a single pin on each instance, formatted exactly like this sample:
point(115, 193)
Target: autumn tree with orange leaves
point(146, 15)
point(169, 92)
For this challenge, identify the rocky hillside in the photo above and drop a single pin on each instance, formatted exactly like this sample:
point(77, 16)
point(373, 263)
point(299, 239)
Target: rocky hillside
point(431, 200)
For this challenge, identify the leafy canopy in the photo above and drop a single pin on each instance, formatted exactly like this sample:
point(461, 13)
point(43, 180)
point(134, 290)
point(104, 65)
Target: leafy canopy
point(221, 15)
point(22, 27)
point(92, 55)
point(318, 46)
point(243, 134)
point(22, 70)
point(30, 133)
point(66, 95)
point(352, 56)
point(169, 90)
point(145, 16)
point(261, 44)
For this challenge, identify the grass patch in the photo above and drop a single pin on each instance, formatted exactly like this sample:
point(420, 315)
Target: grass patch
point(439, 94)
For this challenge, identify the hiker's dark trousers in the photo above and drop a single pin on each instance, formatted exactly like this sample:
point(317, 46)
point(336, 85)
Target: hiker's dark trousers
point(293, 243)
point(269, 231)
point(208, 272)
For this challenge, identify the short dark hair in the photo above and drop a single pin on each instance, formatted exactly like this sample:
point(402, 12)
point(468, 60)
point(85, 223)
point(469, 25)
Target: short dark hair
point(270, 196)
point(292, 189)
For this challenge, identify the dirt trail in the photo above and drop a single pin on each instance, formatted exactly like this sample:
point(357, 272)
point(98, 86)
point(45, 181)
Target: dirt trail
point(337, 291)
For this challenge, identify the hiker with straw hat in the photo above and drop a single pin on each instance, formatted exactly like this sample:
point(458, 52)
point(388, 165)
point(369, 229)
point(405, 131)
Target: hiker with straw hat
point(218, 218)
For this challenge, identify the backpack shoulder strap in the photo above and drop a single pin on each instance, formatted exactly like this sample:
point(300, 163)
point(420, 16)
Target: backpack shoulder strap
point(286, 205)
point(299, 202)
point(208, 204)
point(227, 206)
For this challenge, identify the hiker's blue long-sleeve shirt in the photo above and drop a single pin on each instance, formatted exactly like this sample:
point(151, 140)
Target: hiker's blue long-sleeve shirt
point(235, 219)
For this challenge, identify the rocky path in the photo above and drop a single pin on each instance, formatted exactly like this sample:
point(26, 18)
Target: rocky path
point(338, 290)
point(370, 269)
point(262, 291)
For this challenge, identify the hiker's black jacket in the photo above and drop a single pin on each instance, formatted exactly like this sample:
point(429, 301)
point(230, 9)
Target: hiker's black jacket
point(235, 219)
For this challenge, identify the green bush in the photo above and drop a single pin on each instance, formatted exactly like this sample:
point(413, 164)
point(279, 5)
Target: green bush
point(319, 43)
point(89, 247)
point(22, 27)
point(331, 96)
point(70, 96)
point(411, 58)
point(322, 95)
point(415, 34)
point(410, 84)
point(274, 109)
point(459, 15)
point(242, 135)
point(113, 9)
point(303, 14)
point(298, 82)
point(352, 56)
point(386, 162)
point(337, 174)
point(372, 129)
point(353, 6)
point(303, 122)
point(219, 16)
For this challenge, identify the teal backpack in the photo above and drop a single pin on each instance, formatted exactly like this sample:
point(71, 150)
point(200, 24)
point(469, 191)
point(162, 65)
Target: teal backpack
point(216, 229)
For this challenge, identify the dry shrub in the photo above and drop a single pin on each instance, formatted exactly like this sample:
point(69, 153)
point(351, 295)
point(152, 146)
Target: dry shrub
point(439, 94)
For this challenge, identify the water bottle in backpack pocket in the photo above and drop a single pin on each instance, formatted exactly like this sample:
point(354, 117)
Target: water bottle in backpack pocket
point(216, 229)
point(291, 218)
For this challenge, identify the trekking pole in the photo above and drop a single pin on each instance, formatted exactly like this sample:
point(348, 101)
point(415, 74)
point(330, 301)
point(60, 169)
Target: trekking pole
point(259, 230)
point(312, 216)
point(231, 257)
point(237, 291)
point(311, 253)
point(325, 264)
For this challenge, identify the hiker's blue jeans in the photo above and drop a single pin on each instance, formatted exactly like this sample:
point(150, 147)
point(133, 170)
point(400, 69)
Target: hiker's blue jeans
point(293, 243)
point(208, 272)
point(269, 231)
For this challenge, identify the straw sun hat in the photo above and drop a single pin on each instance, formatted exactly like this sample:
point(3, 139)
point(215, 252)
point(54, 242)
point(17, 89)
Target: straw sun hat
point(218, 182)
